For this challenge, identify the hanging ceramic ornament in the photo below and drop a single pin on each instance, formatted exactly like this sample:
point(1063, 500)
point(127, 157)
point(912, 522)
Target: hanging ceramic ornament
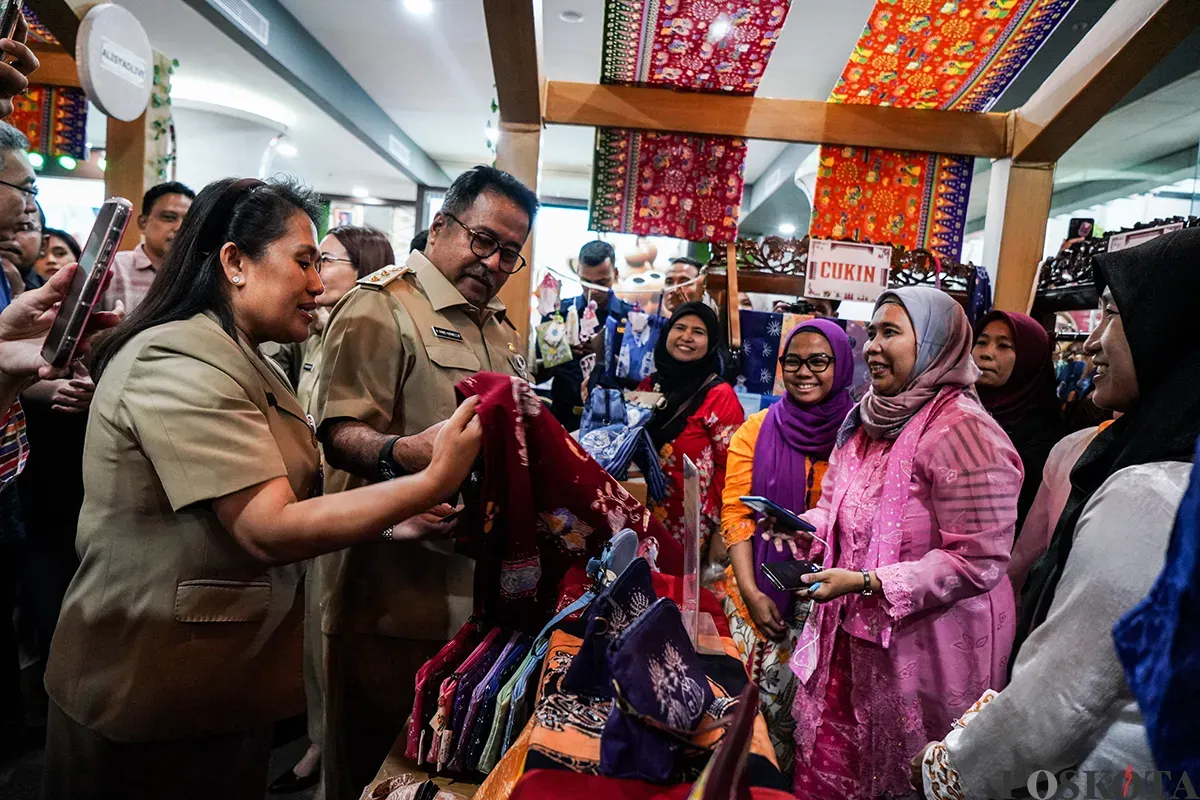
point(589, 323)
point(547, 293)
point(572, 326)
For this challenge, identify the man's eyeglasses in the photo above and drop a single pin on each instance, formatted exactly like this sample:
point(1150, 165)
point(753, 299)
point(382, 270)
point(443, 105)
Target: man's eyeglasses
point(816, 364)
point(485, 245)
point(32, 191)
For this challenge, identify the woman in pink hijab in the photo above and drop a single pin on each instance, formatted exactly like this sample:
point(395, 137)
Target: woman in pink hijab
point(914, 618)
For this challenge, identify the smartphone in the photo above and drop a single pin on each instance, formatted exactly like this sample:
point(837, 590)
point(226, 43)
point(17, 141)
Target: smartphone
point(10, 12)
point(784, 517)
point(76, 308)
point(785, 575)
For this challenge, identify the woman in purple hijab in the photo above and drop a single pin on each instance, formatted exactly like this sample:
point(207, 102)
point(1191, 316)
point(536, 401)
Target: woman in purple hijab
point(781, 453)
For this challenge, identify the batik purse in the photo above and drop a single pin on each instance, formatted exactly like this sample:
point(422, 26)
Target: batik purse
point(614, 610)
point(428, 685)
point(661, 695)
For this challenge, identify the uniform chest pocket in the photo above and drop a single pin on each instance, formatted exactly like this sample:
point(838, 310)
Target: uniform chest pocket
point(222, 601)
point(450, 356)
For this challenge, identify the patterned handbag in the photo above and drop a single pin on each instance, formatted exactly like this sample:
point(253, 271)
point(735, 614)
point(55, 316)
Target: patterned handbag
point(428, 684)
point(661, 695)
point(614, 610)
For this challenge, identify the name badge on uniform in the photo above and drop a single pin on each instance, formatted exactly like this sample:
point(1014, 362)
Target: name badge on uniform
point(445, 333)
point(308, 367)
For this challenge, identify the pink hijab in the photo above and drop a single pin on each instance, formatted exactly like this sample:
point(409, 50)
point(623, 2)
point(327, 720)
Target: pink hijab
point(944, 342)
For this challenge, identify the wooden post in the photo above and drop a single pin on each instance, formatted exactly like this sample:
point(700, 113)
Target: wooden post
point(126, 172)
point(731, 297)
point(517, 152)
point(1015, 229)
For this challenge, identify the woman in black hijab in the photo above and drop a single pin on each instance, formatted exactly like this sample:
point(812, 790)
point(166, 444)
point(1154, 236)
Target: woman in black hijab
point(696, 417)
point(1067, 706)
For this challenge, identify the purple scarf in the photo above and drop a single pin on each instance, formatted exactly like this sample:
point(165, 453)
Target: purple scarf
point(791, 434)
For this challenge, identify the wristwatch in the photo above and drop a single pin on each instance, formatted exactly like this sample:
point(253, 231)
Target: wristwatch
point(867, 591)
point(387, 466)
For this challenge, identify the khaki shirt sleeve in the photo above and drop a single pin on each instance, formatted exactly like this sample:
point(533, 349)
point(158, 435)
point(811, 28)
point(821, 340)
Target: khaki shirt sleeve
point(361, 361)
point(199, 428)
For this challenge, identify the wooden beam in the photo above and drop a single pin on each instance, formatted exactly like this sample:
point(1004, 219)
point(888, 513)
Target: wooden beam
point(1015, 229)
point(126, 172)
point(512, 27)
point(517, 152)
point(61, 17)
point(982, 135)
point(56, 69)
point(1118, 52)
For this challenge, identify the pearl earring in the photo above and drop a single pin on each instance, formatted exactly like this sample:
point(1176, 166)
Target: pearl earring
point(236, 279)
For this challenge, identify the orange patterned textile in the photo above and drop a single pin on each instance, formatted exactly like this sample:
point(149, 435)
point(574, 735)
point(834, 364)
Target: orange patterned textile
point(930, 54)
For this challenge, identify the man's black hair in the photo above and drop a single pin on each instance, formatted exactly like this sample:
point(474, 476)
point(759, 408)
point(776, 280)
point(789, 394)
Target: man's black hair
point(467, 187)
point(593, 254)
point(162, 190)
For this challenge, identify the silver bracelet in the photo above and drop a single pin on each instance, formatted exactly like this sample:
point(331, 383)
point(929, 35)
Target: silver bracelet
point(387, 532)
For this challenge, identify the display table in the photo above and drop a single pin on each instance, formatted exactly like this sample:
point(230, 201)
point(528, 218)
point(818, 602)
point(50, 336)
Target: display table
point(396, 766)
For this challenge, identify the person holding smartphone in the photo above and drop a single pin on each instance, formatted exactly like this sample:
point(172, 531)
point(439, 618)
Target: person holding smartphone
point(179, 640)
point(914, 614)
point(781, 454)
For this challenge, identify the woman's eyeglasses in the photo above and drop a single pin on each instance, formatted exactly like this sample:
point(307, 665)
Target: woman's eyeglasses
point(485, 245)
point(816, 364)
point(325, 260)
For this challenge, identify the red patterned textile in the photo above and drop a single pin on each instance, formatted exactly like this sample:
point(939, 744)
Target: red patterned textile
point(37, 31)
point(544, 505)
point(930, 54)
point(54, 119)
point(666, 184)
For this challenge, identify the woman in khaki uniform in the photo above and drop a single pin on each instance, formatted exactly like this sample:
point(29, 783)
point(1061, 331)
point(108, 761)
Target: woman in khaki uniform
point(348, 253)
point(179, 639)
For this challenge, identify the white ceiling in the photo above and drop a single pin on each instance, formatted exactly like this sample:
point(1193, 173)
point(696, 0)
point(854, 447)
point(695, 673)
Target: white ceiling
point(213, 67)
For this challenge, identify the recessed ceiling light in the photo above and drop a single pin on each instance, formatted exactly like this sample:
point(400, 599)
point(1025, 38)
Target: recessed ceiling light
point(719, 29)
point(572, 17)
point(787, 229)
point(360, 191)
point(421, 7)
point(287, 150)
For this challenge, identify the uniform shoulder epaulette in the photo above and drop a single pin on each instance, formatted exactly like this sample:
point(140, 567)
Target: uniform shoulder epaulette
point(381, 278)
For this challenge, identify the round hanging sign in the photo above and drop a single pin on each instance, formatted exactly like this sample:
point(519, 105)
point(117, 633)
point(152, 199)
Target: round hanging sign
point(115, 62)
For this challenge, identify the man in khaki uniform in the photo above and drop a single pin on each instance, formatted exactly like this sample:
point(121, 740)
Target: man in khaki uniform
point(395, 347)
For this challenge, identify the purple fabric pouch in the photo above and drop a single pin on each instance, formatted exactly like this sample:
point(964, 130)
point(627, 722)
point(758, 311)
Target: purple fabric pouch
point(613, 610)
point(661, 696)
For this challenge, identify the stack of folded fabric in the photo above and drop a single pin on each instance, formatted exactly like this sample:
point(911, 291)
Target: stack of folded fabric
point(618, 445)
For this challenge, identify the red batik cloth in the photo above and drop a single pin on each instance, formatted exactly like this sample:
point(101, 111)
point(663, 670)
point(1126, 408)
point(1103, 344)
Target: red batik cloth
point(929, 54)
point(544, 505)
point(53, 119)
point(667, 184)
point(671, 184)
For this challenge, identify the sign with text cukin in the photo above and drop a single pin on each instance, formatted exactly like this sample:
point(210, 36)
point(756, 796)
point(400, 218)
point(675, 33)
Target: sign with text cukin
point(847, 270)
point(115, 62)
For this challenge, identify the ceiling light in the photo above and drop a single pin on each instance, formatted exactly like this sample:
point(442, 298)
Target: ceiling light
point(787, 229)
point(287, 150)
point(360, 191)
point(420, 7)
point(572, 17)
point(493, 134)
point(719, 29)
point(67, 163)
point(36, 160)
point(186, 89)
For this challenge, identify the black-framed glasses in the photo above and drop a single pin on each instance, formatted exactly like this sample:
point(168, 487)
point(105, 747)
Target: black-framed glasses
point(485, 245)
point(32, 191)
point(816, 364)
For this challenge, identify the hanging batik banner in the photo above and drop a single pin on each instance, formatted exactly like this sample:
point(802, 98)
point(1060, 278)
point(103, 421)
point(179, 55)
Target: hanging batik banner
point(687, 186)
point(38, 33)
point(53, 119)
point(930, 54)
